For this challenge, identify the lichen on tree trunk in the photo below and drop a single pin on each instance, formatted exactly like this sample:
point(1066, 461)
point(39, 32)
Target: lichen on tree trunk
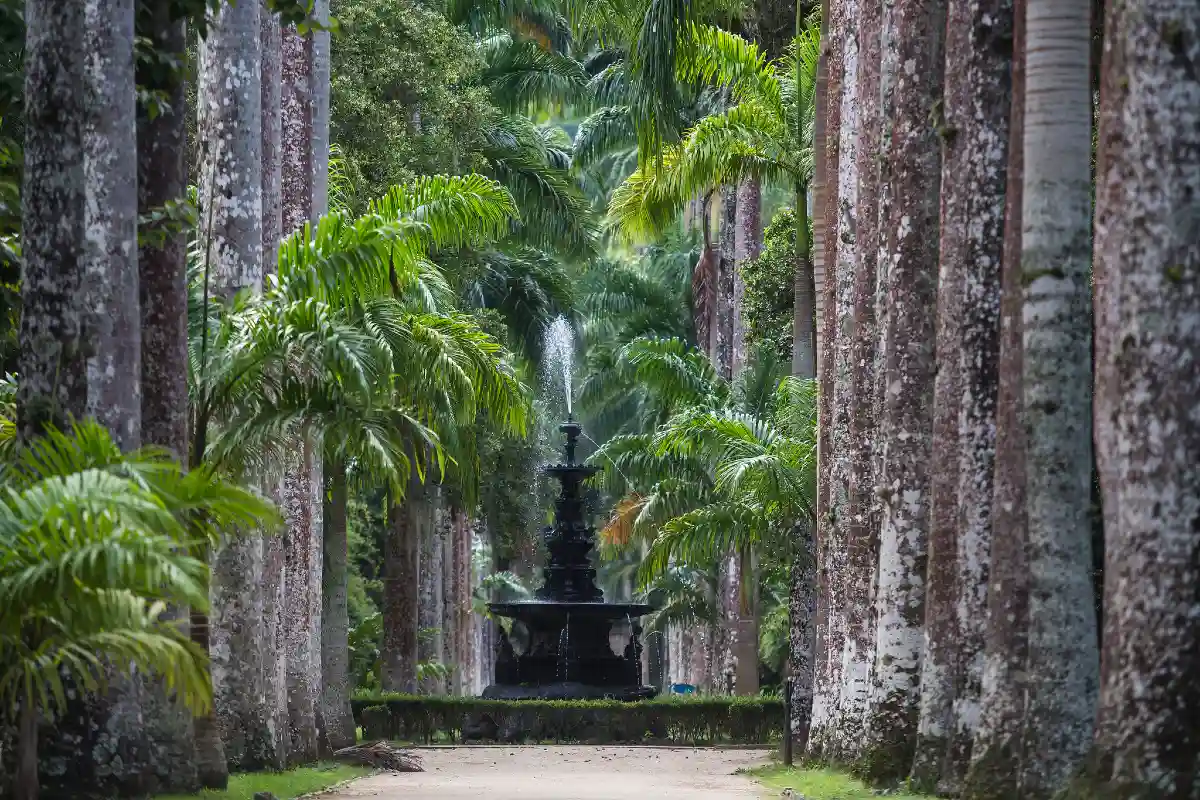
point(274, 594)
point(978, 96)
point(401, 555)
point(1147, 312)
point(432, 586)
point(908, 220)
point(301, 631)
point(996, 756)
point(230, 177)
point(53, 365)
point(827, 674)
point(337, 720)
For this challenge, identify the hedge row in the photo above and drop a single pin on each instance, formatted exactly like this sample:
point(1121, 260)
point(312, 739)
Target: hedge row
point(700, 721)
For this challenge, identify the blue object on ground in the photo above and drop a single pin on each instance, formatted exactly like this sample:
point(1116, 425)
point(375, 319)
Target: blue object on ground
point(682, 688)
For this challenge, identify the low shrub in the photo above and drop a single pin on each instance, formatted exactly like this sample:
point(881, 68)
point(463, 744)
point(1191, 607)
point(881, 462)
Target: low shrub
point(698, 721)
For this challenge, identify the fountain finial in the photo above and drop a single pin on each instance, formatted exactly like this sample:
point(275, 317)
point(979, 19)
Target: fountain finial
point(572, 429)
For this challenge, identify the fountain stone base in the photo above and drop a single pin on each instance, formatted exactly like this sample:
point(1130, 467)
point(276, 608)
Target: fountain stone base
point(559, 646)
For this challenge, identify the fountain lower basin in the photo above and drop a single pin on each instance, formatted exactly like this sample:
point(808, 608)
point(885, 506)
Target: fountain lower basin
point(570, 650)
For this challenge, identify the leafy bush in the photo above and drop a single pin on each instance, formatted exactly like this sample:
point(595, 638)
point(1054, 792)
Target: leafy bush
point(770, 287)
point(704, 720)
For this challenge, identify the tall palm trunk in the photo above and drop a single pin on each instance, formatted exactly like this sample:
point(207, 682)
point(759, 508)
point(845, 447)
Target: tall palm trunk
point(432, 585)
point(118, 760)
point(804, 340)
point(996, 755)
point(67, 164)
point(803, 595)
point(302, 554)
point(337, 719)
point(53, 365)
point(1063, 666)
point(910, 181)
point(274, 589)
point(829, 637)
point(856, 367)
point(302, 541)
point(1147, 277)
point(231, 205)
point(162, 282)
point(110, 256)
point(747, 246)
point(401, 553)
point(978, 97)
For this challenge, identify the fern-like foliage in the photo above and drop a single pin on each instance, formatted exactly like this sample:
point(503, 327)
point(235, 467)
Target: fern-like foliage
point(95, 545)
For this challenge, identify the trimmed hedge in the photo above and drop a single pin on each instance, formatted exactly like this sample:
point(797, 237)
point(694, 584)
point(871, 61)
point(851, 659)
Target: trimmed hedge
point(700, 721)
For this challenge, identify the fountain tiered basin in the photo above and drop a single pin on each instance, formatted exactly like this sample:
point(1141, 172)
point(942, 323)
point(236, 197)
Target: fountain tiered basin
point(569, 643)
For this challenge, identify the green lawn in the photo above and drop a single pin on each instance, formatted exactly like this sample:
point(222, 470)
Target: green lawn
point(819, 784)
point(284, 785)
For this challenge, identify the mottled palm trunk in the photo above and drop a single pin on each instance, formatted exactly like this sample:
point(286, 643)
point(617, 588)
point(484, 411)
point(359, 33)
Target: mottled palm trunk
point(1063, 666)
point(273, 583)
point(110, 265)
point(162, 286)
point(804, 340)
point(909, 186)
point(337, 719)
point(829, 636)
point(822, 143)
point(996, 755)
point(271, 37)
point(978, 96)
point(939, 653)
point(802, 594)
point(802, 609)
point(855, 366)
point(162, 256)
point(120, 759)
point(302, 556)
point(747, 244)
point(231, 206)
point(1148, 316)
point(456, 652)
point(320, 84)
point(721, 335)
point(401, 553)
point(302, 540)
point(53, 367)
point(432, 586)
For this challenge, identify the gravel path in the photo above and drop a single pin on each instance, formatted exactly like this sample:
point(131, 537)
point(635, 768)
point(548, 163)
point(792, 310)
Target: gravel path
point(575, 772)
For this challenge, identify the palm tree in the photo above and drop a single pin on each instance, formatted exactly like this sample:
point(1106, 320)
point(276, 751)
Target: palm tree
point(1146, 268)
point(96, 545)
point(1063, 665)
point(352, 346)
point(765, 135)
point(726, 472)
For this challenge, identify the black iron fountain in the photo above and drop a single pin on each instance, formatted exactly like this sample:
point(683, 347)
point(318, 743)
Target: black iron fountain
point(559, 646)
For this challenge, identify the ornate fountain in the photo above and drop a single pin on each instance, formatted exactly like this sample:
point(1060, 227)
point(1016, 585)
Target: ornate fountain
point(559, 646)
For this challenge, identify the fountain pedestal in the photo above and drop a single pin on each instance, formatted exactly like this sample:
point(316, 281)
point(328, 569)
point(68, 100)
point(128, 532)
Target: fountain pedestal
point(560, 643)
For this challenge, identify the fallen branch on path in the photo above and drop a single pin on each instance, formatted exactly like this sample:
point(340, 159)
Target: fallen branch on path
point(380, 755)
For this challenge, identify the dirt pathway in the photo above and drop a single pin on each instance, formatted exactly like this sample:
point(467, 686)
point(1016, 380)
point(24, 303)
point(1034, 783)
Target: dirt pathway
point(569, 773)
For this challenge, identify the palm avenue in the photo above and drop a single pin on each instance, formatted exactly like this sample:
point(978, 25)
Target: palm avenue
point(883, 320)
